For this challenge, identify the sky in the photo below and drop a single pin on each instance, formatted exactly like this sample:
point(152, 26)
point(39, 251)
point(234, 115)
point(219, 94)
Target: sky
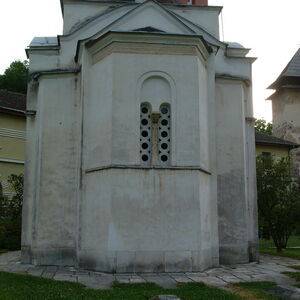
point(271, 28)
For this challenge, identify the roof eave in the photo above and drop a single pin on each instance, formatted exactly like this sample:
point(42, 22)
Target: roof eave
point(12, 111)
point(283, 145)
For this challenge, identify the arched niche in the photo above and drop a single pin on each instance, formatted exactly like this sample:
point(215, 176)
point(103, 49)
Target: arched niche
point(156, 88)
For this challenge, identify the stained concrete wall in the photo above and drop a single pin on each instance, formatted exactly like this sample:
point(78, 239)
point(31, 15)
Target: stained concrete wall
point(235, 167)
point(49, 213)
point(145, 219)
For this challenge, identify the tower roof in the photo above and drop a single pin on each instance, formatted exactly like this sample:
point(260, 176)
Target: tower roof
point(290, 75)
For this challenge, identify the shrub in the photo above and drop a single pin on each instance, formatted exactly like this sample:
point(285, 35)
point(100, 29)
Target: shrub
point(10, 214)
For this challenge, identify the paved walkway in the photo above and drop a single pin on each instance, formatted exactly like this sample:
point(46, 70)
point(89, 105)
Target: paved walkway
point(269, 269)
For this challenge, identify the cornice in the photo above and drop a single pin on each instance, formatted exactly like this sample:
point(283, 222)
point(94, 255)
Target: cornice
point(145, 43)
point(138, 167)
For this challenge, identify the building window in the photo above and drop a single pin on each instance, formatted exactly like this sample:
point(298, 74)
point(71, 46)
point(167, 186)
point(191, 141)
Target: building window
point(266, 154)
point(146, 134)
point(164, 135)
point(155, 136)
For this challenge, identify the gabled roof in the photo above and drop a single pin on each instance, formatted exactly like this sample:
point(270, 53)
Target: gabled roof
point(266, 139)
point(12, 102)
point(290, 75)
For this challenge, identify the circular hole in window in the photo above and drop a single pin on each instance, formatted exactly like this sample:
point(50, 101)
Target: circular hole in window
point(164, 134)
point(164, 158)
point(164, 122)
point(145, 157)
point(164, 110)
point(144, 110)
point(144, 145)
point(164, 146)
point(144, 133)
point(145, 122)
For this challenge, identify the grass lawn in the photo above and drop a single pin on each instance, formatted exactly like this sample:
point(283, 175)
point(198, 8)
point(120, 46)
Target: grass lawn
point(14, 287)
point(253, 290)
point(267, 247)
point(294, 275)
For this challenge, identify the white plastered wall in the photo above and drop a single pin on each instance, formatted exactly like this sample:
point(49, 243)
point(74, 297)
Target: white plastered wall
point(139, 219)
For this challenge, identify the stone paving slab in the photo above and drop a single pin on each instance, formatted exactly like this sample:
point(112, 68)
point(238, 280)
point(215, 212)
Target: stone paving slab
point(165, 281)
point(36, 270)
point(269, 268)
point(212, 281)
point(49, 272)
point(71, 278)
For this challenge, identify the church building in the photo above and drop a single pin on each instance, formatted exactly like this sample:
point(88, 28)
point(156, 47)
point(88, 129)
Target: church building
point(140, 141)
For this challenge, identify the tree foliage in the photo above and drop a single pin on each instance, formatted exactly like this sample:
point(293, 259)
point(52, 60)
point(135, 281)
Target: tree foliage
point(15, 77)
point(278, 199)
point(12, 208)
point(263, 126)
point(10, 214)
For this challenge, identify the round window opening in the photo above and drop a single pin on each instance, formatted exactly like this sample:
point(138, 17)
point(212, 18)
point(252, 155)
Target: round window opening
point(164, 157)
point(164, 146)
point(144, 145)
point(144, 110)
point(164, 110)
point(144, 133)
point(164, 122)
point(144, 122)
point(145, 157)
point(164, 134)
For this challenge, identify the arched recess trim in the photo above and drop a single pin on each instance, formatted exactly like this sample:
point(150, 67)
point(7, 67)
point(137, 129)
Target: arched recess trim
point(157, 89)
point(157, 74)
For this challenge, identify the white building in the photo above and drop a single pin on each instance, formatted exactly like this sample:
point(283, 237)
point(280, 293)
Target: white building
point(141, 154)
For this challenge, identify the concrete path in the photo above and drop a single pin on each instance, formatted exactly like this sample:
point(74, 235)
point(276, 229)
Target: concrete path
point(269, 269)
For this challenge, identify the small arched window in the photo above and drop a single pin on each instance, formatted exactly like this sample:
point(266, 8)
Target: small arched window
point(155, 135)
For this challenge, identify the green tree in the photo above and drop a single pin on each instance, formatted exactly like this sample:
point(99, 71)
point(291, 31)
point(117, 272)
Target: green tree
point(15, 77)
point(10, 214)
point(263, 126)
point(278, 199)
point(17, 184)
point(2, 202)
